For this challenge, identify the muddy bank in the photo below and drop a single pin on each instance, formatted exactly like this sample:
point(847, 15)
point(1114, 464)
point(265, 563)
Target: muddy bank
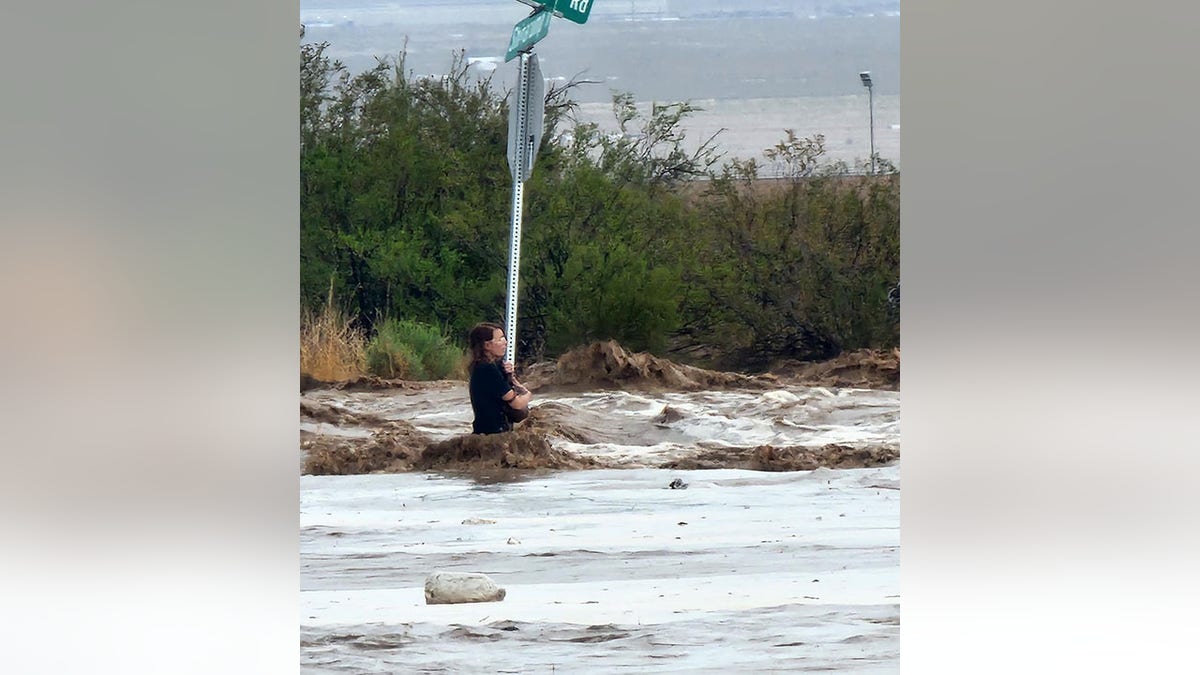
point(330, 413)
point(391, 447)
point(791, 458)
point(357, 443)
point(373, 444)
point(607, 365)
point(372, 383)
point(863, 369)
point(522, 448)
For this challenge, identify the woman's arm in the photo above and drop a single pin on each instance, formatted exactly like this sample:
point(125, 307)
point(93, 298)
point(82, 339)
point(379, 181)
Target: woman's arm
point(521, 395)
point(521, 401)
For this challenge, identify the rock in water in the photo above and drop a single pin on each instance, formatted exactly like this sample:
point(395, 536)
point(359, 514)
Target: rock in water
point(448, 588)
point(677, 484)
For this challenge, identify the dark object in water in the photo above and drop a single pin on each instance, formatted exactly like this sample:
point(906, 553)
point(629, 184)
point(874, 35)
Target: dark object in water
point(677, 484)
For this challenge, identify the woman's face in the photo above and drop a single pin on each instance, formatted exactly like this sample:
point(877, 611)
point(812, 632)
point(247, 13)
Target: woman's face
point(496, 347)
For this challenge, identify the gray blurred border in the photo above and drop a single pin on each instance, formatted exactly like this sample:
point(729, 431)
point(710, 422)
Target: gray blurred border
point(1049, 315)
point(149, 261)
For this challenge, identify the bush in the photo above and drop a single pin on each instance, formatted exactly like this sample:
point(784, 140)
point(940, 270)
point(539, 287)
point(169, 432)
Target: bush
point(412, 350)
point(403, 190)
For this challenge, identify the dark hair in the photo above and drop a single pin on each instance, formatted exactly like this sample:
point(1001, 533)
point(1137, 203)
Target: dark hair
point(481, 333)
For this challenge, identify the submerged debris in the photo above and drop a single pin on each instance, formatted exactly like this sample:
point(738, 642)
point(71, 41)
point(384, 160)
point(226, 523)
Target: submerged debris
point(667, 416)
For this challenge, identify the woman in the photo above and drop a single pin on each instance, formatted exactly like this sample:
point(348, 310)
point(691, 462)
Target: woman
point(492, 380)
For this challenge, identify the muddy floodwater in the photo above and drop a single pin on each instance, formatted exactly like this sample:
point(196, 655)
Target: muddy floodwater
point(684, 538)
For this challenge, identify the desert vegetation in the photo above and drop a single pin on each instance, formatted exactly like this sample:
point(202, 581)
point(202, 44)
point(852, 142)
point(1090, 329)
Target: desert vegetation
point(657, 241)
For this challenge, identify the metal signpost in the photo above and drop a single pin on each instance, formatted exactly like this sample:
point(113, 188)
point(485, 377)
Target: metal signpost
point(526, 120)
point(526, 114)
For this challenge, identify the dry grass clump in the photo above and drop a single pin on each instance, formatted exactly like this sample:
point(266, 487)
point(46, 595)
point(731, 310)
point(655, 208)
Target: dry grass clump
point(332, 349)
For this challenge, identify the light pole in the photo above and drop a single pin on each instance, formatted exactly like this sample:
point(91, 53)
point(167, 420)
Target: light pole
point(865, 76)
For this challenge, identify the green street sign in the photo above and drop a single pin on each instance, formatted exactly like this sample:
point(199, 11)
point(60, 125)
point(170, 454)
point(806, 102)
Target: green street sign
point(571, 10)
point(527, 32)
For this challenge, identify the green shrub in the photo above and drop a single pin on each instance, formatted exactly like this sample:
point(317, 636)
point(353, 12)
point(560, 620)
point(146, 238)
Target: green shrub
point(412, 350)
point(446, 362)
point(403, 206)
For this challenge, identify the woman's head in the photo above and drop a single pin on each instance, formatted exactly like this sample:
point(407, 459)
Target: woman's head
point(486, 342)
